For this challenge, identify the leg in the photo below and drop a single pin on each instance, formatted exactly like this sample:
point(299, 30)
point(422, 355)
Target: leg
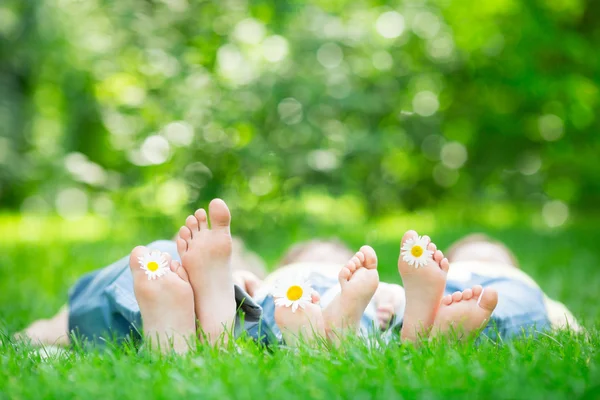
point(465, 313)
point(359, 280)
point(53, 331)
point(166, 305)
point(424, 288)
point(206, 256)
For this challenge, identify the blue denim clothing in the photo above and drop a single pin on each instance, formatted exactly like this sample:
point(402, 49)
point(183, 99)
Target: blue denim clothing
point(102, 305)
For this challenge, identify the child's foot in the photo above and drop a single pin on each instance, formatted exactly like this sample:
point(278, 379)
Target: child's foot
point(465, 312)
point(205, 254)
point(359, 280)
point(390, 300)
point(166, 305)
point(424, 288)
point(305, 324)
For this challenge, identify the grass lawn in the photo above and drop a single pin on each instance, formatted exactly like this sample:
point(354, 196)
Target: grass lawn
point(38, 272)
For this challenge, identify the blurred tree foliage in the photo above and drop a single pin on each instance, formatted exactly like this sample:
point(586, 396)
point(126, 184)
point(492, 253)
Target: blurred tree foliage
point(160, 103)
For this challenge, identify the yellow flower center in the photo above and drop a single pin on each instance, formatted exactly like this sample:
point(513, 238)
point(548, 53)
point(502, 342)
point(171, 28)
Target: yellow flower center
point(152, 266)
point(294, 293)
point(416, 251)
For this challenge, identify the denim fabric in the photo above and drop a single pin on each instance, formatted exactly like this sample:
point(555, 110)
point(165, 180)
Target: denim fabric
point(102, 305)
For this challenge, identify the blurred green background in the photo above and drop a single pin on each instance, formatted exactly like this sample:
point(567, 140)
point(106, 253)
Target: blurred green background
point(317, 118)
point(367, 107)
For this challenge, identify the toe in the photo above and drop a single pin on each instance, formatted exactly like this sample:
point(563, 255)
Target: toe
point(315, 297)
point(401, 262)
point(426, 239)
point(438, 256)
point(202, 218)
point(445, 265)
point(408, 235)
point(357, 264)
point(179, 270)
point(346, 273)
point(488, 299)
point(467, 294)
point(370, 261)
point(134, 259)
point(220, 217)
point(447, 300)
point(167, 257)
point(432, 247)
point(352, 265)
point(181, 246)
point(477, 289)
point(456, 297)
point(185, 234)
point(192, 223)
point(360, 256)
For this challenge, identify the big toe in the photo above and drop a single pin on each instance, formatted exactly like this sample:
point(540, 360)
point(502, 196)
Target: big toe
point(220, 217)
point(135, 259)
point(409, 235)
point(370, 261)
point(488, 300)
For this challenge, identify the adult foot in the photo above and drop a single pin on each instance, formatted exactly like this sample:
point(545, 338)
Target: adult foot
point(306, 324)
point(424, 286)
point(166, 304)
point(206, 254)
point(358, 280)
point(465, 313)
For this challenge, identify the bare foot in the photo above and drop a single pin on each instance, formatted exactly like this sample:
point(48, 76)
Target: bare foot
point(206, 255)
point(304, 324)
point(390, 300)
point(166, 304)
point(424, 286)
point(359, 280)
point(466, 312)
point(48, 332)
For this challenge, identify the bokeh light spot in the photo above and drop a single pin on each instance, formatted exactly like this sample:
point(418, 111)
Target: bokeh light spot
point(155, 149)
point(425, 103)
point(555, 213)
point(551, 127)
point(290, 111)
point(71, 203)
point(275, 48)
point(330, 55)
point(453, 155)
point(390, 24)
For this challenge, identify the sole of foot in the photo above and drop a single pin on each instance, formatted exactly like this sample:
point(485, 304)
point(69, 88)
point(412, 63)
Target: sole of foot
point(206, 256)
point(424, 286)
point(305, 325)
point(465, 313)
point(359, 280)
point(166, 304)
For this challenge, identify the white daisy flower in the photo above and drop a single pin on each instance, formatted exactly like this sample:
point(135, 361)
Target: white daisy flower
point(414, 252)
point(292, 292)
point(154, 264)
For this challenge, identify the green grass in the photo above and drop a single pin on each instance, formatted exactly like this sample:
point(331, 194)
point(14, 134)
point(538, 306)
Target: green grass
point(36, 275)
